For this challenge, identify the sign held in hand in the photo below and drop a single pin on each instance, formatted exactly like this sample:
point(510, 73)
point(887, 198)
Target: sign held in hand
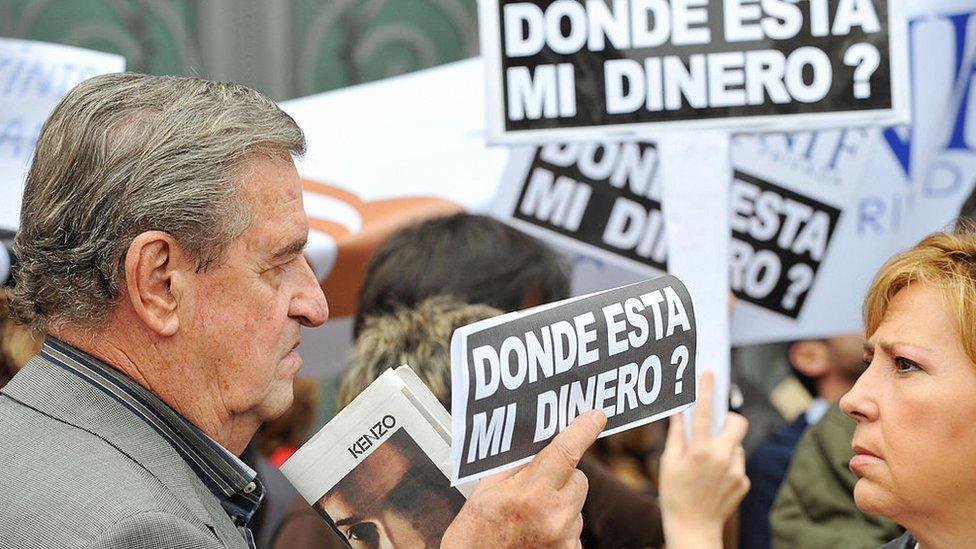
point(519, 379)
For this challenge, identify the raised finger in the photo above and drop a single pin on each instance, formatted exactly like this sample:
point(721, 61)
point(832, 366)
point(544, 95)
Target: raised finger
point(734, 431)
point(738, 472)
point(557, 461)
point(675, 442)
point(701, 420)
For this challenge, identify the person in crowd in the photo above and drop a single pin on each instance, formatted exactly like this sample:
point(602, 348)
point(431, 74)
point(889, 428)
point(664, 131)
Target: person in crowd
point(702, 478)
point(474, 258)
point(914, 442)
point(815, 505)
point(419, 336)
point(827, 368)
point(478, 259)
point(614, 515)
point(160, 251)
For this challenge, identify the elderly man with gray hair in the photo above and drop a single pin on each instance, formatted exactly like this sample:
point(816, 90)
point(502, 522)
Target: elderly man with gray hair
point(161, 254)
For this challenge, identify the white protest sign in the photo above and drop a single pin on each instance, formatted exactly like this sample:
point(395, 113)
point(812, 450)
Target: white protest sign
point(603, 197)
point(519, 379)
point(568, 69)
point(814, 214)
point(783, 208)
point(900, 183)
point(34, 76)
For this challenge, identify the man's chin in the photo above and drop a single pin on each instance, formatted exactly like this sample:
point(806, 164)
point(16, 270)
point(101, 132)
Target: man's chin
point(280, 402)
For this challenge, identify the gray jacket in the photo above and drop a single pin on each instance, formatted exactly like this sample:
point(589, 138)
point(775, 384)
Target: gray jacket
point(79, 470)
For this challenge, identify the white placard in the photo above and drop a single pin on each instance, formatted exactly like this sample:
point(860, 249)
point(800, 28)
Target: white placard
point(561, 70)
point(34, 76)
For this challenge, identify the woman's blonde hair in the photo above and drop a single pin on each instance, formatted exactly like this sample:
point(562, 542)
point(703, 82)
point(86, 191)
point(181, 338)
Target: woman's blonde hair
point(944, 260)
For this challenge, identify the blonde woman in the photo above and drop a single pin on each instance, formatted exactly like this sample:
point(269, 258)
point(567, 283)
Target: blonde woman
point(915, 443)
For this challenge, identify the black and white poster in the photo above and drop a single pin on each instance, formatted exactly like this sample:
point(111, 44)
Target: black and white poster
point(779, 238)
point(602, 196)
point(519, 379)
point(787, 197)
point(566, 69)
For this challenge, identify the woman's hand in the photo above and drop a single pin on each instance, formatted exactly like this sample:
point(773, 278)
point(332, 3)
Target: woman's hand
point(702, 480)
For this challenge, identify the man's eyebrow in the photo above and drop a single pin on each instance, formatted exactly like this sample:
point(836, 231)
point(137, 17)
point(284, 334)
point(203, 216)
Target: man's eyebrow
point(294, 248)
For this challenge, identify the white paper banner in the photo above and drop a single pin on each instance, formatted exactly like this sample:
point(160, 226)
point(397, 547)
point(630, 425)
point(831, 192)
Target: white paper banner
point(34, 76)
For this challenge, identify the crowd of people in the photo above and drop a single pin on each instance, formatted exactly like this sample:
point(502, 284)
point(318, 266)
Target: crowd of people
point(149, 364)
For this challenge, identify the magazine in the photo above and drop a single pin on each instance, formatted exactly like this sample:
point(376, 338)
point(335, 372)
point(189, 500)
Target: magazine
point(378, 473)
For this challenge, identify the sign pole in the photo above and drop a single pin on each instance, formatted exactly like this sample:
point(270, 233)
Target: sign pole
point(696, 170)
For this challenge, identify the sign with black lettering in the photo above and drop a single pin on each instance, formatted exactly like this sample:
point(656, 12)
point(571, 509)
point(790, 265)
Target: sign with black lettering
point(600, 195)
point(519, 379)
point(604, 199)
point(559, 69)
point(779, 238)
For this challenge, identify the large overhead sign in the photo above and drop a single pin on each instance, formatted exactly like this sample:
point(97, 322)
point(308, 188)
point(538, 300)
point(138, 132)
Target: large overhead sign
point(560, 69)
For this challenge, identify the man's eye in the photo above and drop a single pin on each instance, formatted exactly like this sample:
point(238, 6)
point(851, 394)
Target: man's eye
point(904, 365)
point(364, 532)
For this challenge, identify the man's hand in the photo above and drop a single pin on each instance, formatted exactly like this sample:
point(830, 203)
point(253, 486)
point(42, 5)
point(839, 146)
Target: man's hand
point(537, 505)
point(702, 480)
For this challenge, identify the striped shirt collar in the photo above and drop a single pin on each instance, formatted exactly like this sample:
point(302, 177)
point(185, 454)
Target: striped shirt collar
point(232, 482)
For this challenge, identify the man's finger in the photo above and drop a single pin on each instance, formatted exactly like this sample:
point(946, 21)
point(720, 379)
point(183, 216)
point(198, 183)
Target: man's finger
point(576, 488)
point(499, 477)
point(701, 421)
point(557, 461)
point(734, 431)
point(577, 529)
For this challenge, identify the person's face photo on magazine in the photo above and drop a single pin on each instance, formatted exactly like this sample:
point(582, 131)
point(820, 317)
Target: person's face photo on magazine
point(395, 498)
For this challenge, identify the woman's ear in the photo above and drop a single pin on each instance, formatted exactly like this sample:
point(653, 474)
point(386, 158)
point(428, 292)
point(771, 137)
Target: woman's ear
point(153, 262)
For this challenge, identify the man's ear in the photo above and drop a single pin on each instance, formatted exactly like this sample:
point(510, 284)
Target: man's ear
point(153, 262)
point(810, 357)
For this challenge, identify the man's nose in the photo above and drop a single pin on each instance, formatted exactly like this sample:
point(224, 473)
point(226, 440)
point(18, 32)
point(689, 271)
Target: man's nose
point(309, 305)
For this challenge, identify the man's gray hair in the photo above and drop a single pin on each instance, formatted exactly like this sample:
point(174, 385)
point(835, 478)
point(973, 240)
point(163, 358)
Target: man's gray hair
point(127, 153)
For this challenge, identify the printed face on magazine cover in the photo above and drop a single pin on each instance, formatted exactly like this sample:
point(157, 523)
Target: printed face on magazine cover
point(396, 497)
point(251, 306)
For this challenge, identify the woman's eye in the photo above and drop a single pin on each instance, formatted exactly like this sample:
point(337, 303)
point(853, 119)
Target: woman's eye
point(904, 365)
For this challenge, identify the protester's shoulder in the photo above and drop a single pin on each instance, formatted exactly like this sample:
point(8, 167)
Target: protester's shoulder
point(61, 481)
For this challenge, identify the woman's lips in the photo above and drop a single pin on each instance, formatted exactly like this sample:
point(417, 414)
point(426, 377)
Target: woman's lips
point(863, 458)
